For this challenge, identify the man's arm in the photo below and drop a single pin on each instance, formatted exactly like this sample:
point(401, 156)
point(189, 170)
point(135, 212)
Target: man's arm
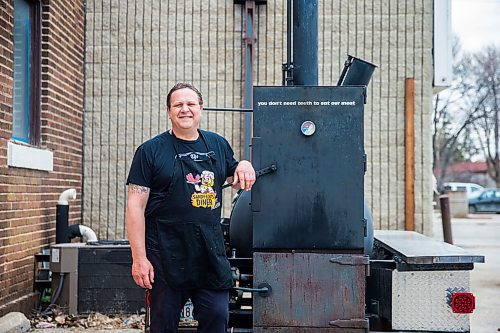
point(244, 174)
point(142, 270)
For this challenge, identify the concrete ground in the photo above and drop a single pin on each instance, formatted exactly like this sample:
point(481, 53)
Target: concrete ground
point(480, 234)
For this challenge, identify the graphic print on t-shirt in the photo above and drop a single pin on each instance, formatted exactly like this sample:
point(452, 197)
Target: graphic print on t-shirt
point(205, 195)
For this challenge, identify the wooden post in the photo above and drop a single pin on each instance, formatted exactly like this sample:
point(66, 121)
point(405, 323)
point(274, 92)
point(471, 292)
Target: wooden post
point(410, 154)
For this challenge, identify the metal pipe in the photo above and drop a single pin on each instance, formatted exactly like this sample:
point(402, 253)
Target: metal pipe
point(228, 109)
point(287, 68)
point(305, 42)
point(249, 40)
point(289, 32)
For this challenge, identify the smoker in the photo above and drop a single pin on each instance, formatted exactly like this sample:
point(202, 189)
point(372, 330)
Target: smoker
point(298, 240)
point(308, 223)
point(304, 226)
point(301, 243)
point(303, 251)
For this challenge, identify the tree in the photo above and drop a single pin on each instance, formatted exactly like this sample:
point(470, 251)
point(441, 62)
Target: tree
point(487, 73)
point(465, 122)
point(453, 116)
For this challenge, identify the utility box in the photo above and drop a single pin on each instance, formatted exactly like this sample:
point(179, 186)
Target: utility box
point(314, 136)
point(95, 278)
point(419, 284)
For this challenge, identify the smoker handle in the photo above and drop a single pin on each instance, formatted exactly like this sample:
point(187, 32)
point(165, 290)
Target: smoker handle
point(263, 289)
point(258, 173)
point(352, 323)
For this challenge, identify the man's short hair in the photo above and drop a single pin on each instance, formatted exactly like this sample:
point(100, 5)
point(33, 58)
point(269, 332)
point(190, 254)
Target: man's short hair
point(182, 85)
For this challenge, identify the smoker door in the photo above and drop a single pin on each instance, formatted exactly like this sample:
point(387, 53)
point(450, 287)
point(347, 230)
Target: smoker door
point(315, 198)
point(310, 292)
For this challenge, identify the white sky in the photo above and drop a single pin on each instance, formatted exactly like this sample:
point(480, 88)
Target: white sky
point(476, 22)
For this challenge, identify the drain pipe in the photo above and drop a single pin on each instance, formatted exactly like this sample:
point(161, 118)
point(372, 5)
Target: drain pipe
point(62, 215)
point(78, 230)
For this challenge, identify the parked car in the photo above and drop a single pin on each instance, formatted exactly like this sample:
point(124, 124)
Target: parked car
point(487, 201)
point(472, 189)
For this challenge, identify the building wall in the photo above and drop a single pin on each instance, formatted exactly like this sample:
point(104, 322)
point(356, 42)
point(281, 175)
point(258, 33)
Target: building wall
point(28, 197)
point(136, 51)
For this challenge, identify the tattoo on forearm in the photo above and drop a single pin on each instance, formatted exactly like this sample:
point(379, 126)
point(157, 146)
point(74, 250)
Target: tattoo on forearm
point(137, 188)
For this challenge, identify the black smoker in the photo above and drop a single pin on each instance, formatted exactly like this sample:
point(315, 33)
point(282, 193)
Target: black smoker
point(298, 243)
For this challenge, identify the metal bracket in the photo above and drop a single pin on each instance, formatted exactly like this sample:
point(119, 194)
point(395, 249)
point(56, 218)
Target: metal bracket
point(287, 74)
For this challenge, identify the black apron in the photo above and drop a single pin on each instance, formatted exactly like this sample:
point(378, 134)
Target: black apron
point(189, 232)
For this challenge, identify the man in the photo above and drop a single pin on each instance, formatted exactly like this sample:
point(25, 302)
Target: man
point(173, 215)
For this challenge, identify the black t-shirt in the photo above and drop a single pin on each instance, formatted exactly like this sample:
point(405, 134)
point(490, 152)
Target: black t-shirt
point(153, 163)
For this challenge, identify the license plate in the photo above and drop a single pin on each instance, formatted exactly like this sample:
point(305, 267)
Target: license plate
point(187, 311)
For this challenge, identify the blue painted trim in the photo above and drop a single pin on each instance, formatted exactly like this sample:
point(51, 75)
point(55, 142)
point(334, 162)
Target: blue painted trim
point(28, 81)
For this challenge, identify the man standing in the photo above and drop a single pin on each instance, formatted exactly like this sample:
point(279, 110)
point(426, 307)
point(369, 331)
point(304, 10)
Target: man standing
point(173, 217)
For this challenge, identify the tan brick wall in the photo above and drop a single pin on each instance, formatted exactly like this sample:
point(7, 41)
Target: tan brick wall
point(28, 198)
point(136, 51)
point(397, 37)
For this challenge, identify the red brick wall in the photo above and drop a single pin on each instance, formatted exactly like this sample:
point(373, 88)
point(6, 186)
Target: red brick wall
point(28, 198)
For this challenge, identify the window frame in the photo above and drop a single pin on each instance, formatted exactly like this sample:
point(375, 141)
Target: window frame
point(33, 107)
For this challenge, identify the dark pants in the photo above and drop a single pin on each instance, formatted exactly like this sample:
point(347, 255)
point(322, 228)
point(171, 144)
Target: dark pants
point(211, 308)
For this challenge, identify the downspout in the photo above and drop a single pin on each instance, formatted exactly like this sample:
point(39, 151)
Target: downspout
point(84, 107)
point(248, 40)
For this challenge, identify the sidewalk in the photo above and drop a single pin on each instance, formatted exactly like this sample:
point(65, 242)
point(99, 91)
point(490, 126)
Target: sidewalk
point(480, 234)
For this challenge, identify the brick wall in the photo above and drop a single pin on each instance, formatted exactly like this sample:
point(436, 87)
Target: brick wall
point(28, 197)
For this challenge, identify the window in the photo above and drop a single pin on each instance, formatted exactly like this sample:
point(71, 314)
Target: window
point(487, 195)
point(27, 71)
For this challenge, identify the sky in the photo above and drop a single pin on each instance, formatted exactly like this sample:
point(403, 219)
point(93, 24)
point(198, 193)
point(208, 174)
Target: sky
point(476, 22)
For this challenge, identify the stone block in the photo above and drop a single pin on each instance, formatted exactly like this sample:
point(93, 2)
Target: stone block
point(14, 322)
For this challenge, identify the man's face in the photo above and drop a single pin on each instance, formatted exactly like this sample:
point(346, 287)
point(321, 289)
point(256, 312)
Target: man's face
point(184, 110)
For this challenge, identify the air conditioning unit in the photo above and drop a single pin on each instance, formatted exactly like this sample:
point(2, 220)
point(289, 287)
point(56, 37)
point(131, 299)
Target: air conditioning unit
point(94, 278)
